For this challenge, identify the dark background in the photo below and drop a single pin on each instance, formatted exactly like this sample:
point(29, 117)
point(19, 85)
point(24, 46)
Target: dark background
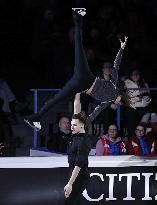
point(35, 51)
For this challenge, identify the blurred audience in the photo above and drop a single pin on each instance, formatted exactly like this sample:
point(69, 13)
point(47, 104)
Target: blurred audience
point(11, 105)
point(59, 141)
point(152, 133)
point(44, 36)
point(139, 99)
point(5, 131)
point(9, 100)
point(111, 143)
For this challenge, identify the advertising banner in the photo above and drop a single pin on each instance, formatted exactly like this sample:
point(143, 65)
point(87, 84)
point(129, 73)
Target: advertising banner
point(108, 185)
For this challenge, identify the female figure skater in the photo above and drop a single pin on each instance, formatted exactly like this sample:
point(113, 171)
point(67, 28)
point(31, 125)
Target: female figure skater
point(78, 153)
point(83, 79)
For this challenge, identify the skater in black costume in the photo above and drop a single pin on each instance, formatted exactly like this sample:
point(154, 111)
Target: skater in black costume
point(78, 152)
point(83, 79)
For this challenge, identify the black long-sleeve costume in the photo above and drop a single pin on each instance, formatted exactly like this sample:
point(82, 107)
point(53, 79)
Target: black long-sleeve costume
point(106, 91)
point(78, 156)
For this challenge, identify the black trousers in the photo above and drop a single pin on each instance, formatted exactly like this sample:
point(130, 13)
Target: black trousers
point(81, 80)
point(78, 187)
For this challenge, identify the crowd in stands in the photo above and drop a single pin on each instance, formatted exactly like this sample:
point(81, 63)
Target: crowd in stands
point(138, 119)
point(38, 38)
point(143, 141)
point(137, 134)
point(9, 108)
point(39, 34)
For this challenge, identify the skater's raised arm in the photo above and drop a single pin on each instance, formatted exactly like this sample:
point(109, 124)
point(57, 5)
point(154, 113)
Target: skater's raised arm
point(118, 59)
point(77, 104)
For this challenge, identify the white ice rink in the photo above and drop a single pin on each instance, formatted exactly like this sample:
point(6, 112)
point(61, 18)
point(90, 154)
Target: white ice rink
point(61, 161)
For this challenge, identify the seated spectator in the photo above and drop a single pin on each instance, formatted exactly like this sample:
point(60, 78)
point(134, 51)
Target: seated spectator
point(139, 100)
point(11, 105)
point(111, 143)
point(139, 144)
point(152, 134)
point(60, 140)
point(7, 95)
point(5, 131)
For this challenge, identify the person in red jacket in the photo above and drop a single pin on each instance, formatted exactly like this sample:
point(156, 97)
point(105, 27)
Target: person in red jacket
point(139, 144)
point(111, 143)
point(152, 135)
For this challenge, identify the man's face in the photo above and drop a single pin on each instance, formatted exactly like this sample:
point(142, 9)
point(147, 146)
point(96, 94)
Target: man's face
point(64, 124)
point(139, 131)
point(76, 126)
point(107, 71)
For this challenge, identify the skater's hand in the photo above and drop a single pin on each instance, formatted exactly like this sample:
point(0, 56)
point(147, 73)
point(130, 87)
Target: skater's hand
point(113, 106)
point(118, 100)
point(123, 44)
point(67, 190)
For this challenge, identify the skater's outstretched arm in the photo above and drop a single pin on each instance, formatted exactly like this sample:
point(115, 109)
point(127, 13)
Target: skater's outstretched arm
point(94, 114)
point(97, 111)
point(117, 61)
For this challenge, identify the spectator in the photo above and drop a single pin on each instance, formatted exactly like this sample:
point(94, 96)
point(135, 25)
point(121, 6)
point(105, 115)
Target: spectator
point(11, 105)
point(111, 143)
point(152, 134)
point(139, 144)
point(139, 100)
point(60, 140)
point(7, 95)
point(5, 131)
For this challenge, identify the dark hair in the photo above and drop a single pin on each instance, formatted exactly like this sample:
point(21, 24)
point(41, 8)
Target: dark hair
point(125, 99)
point(141, 80)
point(111, 125)
point(107, 65)
point(142, 125)
point(80, 116)
point(122, 91)
point(118, 131)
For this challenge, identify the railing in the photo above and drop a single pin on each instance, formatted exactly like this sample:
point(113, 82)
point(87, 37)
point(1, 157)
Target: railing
point(35, 94)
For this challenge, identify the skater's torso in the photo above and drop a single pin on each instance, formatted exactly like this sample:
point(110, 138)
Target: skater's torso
point(104, 90)
point(78, 152)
